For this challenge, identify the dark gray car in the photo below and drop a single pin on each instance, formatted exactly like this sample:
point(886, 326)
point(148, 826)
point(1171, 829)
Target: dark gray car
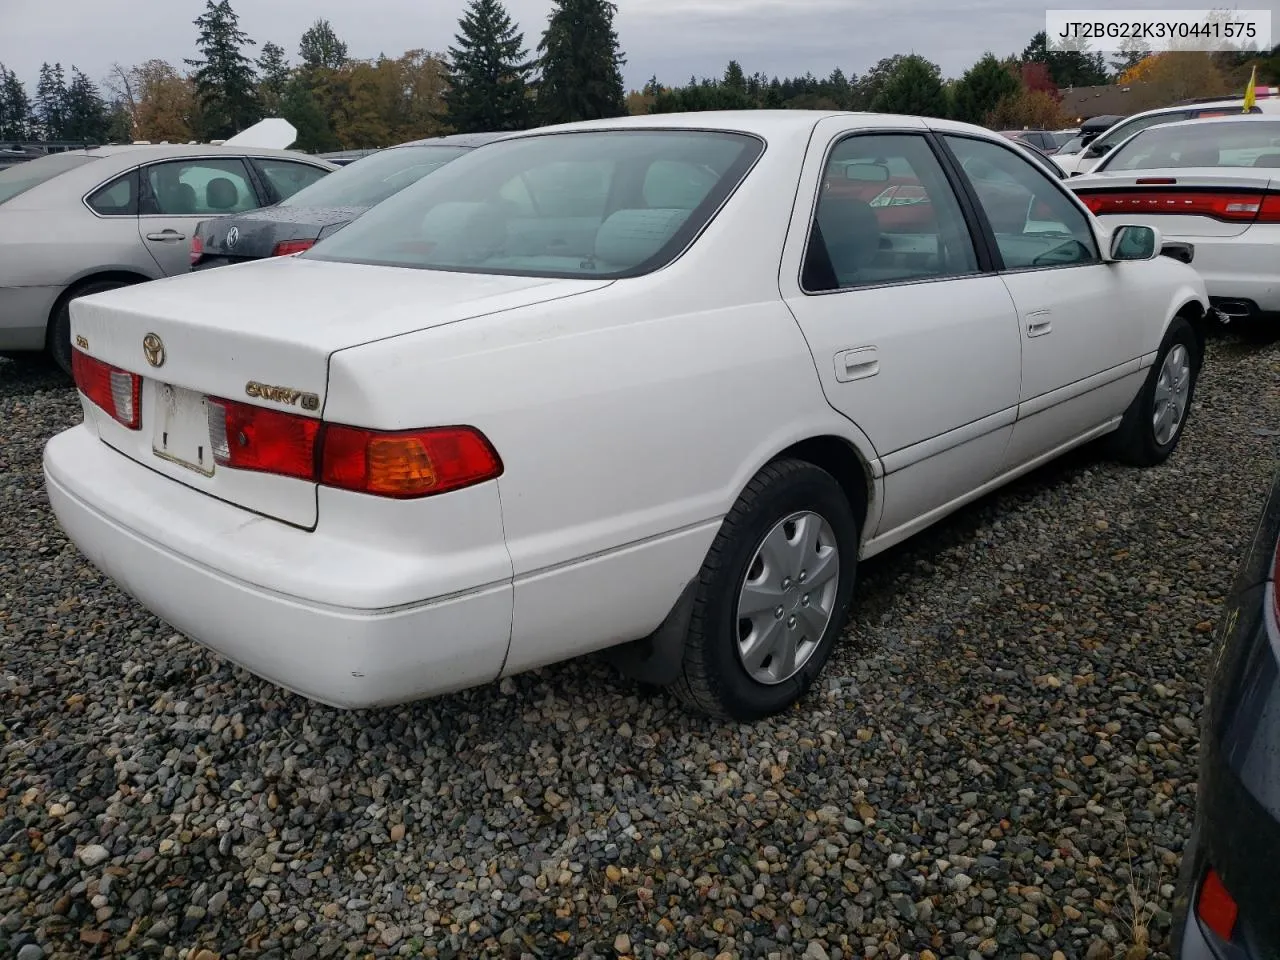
point(295, 224)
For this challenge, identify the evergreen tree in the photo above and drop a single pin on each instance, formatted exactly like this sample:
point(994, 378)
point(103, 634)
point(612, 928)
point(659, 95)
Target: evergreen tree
point(488, 72)
point(734, 78)
point(226, 84)
point(300, 106)
point(85, 112)
point(983, 86)
point(581, 63)
point(15, 107)
point(1068, 68)
point(51, 102)
point(273, 71)
point(914, 87)
point(320, 47)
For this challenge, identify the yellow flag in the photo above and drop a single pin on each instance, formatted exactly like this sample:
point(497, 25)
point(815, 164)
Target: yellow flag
point(1251, 95)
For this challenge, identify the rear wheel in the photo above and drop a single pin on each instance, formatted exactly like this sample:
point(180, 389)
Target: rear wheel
point(59, 336)
point(773, 594)
point(1154, 422)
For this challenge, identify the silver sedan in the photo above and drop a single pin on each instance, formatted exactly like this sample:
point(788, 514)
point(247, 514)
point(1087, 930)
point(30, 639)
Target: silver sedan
point(84, 221)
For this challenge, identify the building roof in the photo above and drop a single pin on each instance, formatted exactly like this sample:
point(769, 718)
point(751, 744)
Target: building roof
point(1082, 103)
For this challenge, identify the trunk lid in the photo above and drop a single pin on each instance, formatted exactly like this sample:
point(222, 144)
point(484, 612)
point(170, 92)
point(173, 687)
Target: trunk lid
point(262, 333)
point(257, 234)
point(1149, 203)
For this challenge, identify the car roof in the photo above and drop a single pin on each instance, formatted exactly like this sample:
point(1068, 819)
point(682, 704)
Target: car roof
point(762, 123)
point(1224, 102)
point(141, 152)
point(455, 140)
point(1230, 118)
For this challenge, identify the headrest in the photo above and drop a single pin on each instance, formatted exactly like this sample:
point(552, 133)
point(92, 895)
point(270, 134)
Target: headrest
point(221, 194)
point(474, 230)
point(629, 237)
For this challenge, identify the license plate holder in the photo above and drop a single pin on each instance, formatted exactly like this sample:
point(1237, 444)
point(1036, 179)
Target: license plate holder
point(182, 429)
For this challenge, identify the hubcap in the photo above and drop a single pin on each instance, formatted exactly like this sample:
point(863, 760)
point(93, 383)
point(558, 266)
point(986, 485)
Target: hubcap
point(787, 597)
point(1172, 390)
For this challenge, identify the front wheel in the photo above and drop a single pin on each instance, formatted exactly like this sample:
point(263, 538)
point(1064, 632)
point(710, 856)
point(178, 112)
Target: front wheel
point(1153, 424)
point(773, 594)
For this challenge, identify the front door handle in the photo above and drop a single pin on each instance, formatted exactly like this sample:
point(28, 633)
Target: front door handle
point(857, 364)
point(166, 236)
point(1038, 323)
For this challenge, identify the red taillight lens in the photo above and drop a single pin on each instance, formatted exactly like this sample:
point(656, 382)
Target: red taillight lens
point(197, 248)
point(287, 247)
point(401, 464)
point(254, 438)
point(114, 390)
point(1229, 207)
point(414, 463)
point(1216, 907)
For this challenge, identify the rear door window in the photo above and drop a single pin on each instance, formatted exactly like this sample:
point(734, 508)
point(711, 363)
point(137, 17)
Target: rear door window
point(886, 214)
point(205, 187)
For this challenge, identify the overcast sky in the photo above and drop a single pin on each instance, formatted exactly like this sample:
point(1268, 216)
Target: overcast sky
point(670, 38)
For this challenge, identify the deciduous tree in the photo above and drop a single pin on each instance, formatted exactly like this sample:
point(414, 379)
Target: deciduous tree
point(320, 47)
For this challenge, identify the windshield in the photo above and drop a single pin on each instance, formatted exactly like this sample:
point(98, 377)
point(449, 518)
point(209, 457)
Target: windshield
point(1072, 146)
point(31, 173)
point(584, 204)
point(1062, 137)
point(372, 179)
point(1240, 143)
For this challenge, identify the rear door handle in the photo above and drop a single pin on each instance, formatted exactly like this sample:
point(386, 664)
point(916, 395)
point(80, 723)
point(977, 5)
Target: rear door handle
point(857, 364)
point(166, 236)
point(1038, 323)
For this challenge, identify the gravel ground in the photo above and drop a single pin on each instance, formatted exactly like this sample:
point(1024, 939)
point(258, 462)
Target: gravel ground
point(1000, 761)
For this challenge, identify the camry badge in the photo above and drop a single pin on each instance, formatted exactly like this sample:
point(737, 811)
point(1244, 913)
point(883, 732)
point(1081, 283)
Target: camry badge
point(153, 350)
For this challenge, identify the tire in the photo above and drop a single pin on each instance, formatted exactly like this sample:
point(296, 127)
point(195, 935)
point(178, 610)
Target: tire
point(790, 498)
point(59, 337)
point(1138, 441)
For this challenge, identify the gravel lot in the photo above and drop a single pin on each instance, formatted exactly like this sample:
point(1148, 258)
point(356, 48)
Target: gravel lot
point(1000, 763)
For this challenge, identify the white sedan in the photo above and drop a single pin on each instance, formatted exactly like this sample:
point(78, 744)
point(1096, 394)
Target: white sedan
point(1214, 183)
point(655, 383)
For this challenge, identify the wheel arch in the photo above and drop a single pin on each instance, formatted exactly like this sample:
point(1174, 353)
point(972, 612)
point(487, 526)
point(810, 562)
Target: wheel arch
point(122, 275)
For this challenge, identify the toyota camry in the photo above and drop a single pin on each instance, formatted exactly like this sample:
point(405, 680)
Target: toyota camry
point(655, 384)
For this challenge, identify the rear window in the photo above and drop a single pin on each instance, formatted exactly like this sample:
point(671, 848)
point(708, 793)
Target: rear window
point(372, 179)
point(1242, 143)
point(31, 173)
point(591, 204)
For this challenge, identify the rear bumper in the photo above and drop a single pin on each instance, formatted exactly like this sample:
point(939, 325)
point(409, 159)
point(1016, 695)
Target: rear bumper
point(332, 642)
point(24, 316)
point(1240, 268)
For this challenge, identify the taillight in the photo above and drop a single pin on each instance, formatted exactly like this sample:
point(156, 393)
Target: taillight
point(1230, 207)
point(254, 438)
point(197, 248)
point(413, 463)
point(114, 390)
point(288, 247)
point(1216, 907)
point(401, 464)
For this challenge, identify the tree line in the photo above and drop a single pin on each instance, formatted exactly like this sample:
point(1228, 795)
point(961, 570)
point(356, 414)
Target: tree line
point(489, 80)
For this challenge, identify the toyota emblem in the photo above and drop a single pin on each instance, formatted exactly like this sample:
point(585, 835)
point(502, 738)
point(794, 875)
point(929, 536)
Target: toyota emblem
point(153, 350)
point(233, 237)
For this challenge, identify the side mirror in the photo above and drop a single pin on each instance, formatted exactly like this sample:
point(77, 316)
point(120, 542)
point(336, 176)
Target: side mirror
point(1178, 250)
point(1094, 150)
point(1133, 242)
